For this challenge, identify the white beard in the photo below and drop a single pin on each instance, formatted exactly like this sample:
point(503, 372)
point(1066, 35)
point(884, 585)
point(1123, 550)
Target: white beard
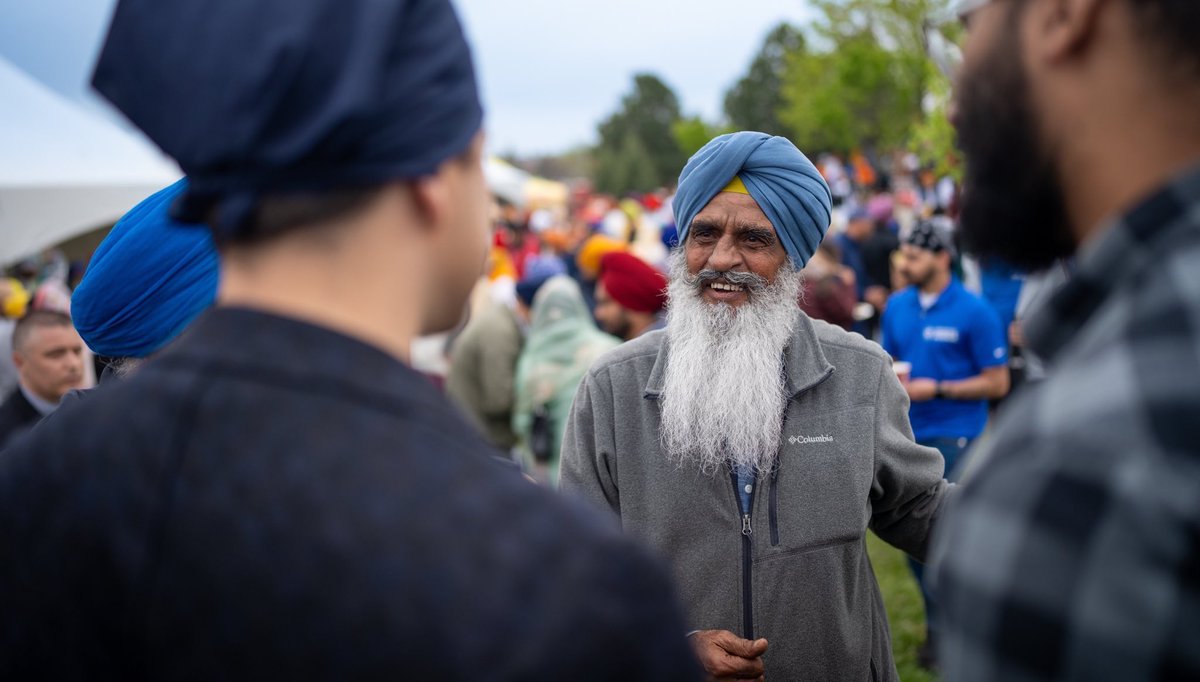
point(724, 393)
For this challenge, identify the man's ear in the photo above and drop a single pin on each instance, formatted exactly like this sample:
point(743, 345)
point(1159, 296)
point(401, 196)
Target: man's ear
point(18, 359)
point(431, 199)
point(1061, 29)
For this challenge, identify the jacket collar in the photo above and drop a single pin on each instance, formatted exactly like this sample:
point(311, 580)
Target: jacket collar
point(804, 362)
point(1112, 263)
point(260, 344)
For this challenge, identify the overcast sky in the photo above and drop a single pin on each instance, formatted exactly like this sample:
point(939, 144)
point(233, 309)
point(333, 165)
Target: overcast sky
point(550, 70)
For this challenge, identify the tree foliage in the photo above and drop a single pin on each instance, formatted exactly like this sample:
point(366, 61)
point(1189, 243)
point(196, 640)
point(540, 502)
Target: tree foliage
point(638, 150)
point(692, 133)
point(867, 75)
point(756, 100)
point(859, 94)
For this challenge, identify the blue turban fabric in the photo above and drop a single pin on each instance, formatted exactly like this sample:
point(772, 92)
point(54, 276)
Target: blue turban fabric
point(544, 266)
point(280, 96)
point(146, 282)
point(786, 185)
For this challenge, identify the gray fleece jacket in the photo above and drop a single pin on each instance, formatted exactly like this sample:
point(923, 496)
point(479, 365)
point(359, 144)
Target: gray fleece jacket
point(796, 570)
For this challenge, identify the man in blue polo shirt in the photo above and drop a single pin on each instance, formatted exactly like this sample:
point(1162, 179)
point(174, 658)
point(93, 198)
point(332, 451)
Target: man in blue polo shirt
point(958, 351)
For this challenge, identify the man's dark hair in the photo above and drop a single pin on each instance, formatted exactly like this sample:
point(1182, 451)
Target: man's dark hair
point(35, 319)
point(1173, 28)
point(277, 214)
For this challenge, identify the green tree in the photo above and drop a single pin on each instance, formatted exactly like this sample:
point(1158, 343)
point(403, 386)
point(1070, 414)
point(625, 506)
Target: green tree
point(755, 101)
point(869, 75)
point(693, 133)
point(859, 94)
point(637, 150)
point(569, 165)
point(628, 168)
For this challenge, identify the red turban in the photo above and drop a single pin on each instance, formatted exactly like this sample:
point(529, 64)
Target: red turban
point(632, 283)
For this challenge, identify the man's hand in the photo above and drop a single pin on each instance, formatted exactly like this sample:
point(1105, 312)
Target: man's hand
point(921, 390)
point(1016, 333)
point(877, 296)
point(847, 275)
point(725, 656)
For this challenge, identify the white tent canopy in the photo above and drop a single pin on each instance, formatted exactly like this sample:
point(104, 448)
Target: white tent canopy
point(64, 171)
point(520, 188)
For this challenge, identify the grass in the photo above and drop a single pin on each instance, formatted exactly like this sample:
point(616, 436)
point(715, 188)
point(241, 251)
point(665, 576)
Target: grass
point(906, 613)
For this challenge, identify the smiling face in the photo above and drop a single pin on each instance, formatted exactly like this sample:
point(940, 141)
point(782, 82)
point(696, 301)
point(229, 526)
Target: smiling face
point(733, 307)
point(733, 248)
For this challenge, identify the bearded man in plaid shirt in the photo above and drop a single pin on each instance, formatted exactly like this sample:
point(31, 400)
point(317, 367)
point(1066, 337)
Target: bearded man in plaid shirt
point(1073, 549)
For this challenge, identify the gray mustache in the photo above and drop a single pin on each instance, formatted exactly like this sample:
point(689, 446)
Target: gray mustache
point(753, 283)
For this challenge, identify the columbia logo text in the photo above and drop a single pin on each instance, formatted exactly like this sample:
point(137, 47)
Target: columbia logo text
point(801, 440)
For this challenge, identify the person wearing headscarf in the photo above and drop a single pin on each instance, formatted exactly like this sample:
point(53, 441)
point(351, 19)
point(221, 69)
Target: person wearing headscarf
point(279, 493)
point(592, 250)
point(630, 295)
point(587, 263)
point(146, 282)
point(751, 445)
point(562, 344)
point(483, 362)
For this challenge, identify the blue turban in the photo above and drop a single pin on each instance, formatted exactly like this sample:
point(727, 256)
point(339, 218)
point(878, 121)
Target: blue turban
point(146, 282)
point(544, 266)
point(780, 178)
point(257, 97)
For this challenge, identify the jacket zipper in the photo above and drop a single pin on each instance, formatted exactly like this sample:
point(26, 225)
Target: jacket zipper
point(771, 509)
point(747, 557)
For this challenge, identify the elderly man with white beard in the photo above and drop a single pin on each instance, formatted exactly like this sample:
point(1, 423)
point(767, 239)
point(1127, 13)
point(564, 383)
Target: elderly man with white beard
point(752, 446)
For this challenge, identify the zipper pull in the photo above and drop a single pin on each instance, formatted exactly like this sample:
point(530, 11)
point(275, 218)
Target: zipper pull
point(746, 530)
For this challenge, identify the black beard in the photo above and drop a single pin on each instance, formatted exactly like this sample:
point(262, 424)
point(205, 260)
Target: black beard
point(621, 328)
point(1012, 202)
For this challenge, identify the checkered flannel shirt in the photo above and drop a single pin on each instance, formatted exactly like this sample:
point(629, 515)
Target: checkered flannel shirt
point(1073, 552)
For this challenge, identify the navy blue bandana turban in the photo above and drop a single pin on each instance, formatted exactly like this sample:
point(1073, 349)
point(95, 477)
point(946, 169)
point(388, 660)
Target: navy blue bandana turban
point(256, 97)
point(932, 235)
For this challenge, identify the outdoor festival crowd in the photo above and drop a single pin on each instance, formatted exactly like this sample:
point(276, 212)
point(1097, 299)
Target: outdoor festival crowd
point(327, 408)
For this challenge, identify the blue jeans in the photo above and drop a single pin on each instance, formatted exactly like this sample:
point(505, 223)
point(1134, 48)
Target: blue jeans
point(953, 451)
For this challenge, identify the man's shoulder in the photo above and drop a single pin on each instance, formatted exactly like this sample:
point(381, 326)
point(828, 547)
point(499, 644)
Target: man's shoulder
point(833, 337)
point(971, 302)
point(481, 331)
point(10, 404)
point(645, 346)
point(16, 415)
point(906, 296)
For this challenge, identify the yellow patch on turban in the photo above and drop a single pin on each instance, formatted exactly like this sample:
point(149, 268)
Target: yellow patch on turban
point(736, 185)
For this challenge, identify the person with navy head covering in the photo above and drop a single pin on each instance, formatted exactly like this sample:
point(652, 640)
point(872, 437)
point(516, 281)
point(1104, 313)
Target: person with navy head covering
point(278, 494)
point(754, 446)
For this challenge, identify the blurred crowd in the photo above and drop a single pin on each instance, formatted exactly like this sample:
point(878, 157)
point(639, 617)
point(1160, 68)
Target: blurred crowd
point(277, 475)
point(515, 362)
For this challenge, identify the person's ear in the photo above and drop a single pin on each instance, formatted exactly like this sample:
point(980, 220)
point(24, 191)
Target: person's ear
point(18, 359)
point(1061, 29)
point(431, 199)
